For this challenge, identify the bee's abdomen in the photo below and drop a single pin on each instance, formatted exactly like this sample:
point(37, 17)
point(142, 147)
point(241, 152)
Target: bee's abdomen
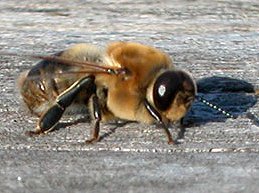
point(35, 96)
point(41, 85)
point(39, 88)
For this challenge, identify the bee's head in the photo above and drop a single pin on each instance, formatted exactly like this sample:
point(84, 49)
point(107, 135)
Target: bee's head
point(173, 93)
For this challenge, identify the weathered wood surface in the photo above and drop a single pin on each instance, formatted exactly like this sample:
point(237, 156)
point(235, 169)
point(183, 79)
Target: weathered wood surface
point(208, 38)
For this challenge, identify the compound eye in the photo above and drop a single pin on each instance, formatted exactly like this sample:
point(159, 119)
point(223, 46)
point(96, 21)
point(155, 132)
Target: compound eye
point(165, 89)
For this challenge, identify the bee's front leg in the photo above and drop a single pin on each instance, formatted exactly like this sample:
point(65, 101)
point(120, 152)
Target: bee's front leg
point(51, 117)
point(156, 115)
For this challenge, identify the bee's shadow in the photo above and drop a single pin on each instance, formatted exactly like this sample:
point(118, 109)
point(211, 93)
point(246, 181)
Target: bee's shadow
point(62, 125)
point(233, 95)
point(114, 125)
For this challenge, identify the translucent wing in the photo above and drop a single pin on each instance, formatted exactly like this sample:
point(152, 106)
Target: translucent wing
point(86, 66)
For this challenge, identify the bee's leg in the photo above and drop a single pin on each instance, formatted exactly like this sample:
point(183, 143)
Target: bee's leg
point(51, 117)
point(97, 116)
point(181, 121)
point(156, 115)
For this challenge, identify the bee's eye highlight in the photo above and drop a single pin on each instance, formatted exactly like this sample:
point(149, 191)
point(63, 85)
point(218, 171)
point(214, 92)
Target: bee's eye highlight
point(165, 89)
point(161, 90)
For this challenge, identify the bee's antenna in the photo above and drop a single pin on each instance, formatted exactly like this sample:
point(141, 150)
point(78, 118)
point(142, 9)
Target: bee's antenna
point(204, 101)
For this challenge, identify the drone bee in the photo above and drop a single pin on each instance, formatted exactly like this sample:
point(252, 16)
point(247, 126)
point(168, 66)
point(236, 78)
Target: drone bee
point(125, 80)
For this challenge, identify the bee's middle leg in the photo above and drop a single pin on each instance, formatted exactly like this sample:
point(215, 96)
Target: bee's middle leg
point(51, 117)
point(98, 117)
